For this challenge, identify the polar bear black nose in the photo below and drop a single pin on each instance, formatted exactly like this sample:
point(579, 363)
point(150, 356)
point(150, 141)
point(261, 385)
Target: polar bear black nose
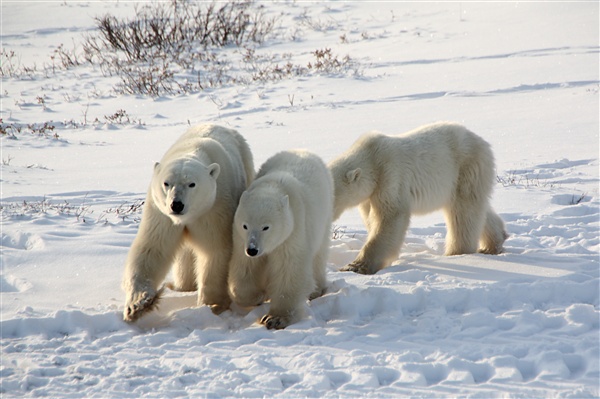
point(251, 251)
point(177, 206)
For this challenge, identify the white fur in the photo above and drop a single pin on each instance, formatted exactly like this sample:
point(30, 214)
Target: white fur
point(187, 219)
point(442, 165)
point(282, 236)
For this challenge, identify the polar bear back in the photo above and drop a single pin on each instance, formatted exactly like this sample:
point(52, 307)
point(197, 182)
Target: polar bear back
point(304, 176)
point(307, 168)
point(425, 164)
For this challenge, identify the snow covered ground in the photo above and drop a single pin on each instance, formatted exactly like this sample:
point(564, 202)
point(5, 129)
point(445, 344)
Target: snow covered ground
point(525, 76)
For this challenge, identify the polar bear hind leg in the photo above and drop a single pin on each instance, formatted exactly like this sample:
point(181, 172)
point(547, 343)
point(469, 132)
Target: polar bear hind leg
point(466, 213)
point(464, 224)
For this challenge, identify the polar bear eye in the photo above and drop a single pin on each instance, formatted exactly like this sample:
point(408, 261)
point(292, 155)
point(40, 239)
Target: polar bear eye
point(265, 228)
point(166, 184)
point(192, 185)
point(245, 227)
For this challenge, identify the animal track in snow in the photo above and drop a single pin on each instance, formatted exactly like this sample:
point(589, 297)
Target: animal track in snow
point(20, 240)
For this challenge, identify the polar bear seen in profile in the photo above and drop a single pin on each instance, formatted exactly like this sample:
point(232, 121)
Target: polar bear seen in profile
point(187, 218)
point(282, 236)
point(438, 166)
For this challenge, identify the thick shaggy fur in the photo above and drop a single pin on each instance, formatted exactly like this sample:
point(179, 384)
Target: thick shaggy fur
point(438, 166)
point(281, 237)
point(187, 220)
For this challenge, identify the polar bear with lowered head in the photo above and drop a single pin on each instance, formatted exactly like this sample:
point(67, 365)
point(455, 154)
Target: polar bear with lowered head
point(442, 165)
point(281, 237)
point(187, 219)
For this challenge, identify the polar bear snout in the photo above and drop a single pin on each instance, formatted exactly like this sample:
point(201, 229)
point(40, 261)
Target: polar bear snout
point(177, 207)
point(252, 248)
point(251, 252)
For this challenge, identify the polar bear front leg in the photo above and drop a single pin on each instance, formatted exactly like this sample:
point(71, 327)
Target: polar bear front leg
point(148, 262)
point(140, 302)
point(386, 235)
point(246, 278)
point(290, 284)
point(286, 309)
point(213, 282)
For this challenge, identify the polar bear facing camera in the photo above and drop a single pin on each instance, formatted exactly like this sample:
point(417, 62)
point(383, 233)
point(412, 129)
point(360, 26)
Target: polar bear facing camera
point(281, 237)
point(187, 219)
point(438, 166)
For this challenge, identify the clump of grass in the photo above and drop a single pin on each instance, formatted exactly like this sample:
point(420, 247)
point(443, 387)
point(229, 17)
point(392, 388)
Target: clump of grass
point(6, 161)
point(172, 29)
point(11, 67)
point(9, 63)
point(327, 62)
point(166, 44)
point(33, 208)
point(267, 68)
point(49, 129)
point(126, 212)
point(525, 181)
point(577, 199)
point(337, 232)
point(45, 129)
point(181, 46)
point(173, 48)
point(121, 117)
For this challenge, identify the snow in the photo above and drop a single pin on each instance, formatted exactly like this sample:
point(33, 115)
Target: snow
point(525, 76)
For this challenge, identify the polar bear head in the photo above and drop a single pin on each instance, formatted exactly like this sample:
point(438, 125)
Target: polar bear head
point(264, 220)
point(184, 189)
point(355, 172)
point(353, 184)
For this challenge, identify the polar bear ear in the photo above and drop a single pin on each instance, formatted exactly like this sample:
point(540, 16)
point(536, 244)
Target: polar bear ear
point(353, 175)
point(156, 165)
point(213, 170)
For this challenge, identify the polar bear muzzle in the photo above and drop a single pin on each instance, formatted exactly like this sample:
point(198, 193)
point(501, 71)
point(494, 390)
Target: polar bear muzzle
point(253, 248)
point(251, 252)
point(177, 207)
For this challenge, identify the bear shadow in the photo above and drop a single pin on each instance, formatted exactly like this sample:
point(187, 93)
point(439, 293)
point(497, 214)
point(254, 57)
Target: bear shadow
point(492, 268)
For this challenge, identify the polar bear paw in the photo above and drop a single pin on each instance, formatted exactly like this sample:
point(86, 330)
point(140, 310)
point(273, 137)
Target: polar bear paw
point(217, 309)
point(141, 303)
point(275, 322)
point(359, 267)
point(319, 292)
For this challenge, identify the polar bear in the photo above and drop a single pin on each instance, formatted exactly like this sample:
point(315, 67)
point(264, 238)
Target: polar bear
point(281, 237)
point(442, 165)
point(187, 220)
